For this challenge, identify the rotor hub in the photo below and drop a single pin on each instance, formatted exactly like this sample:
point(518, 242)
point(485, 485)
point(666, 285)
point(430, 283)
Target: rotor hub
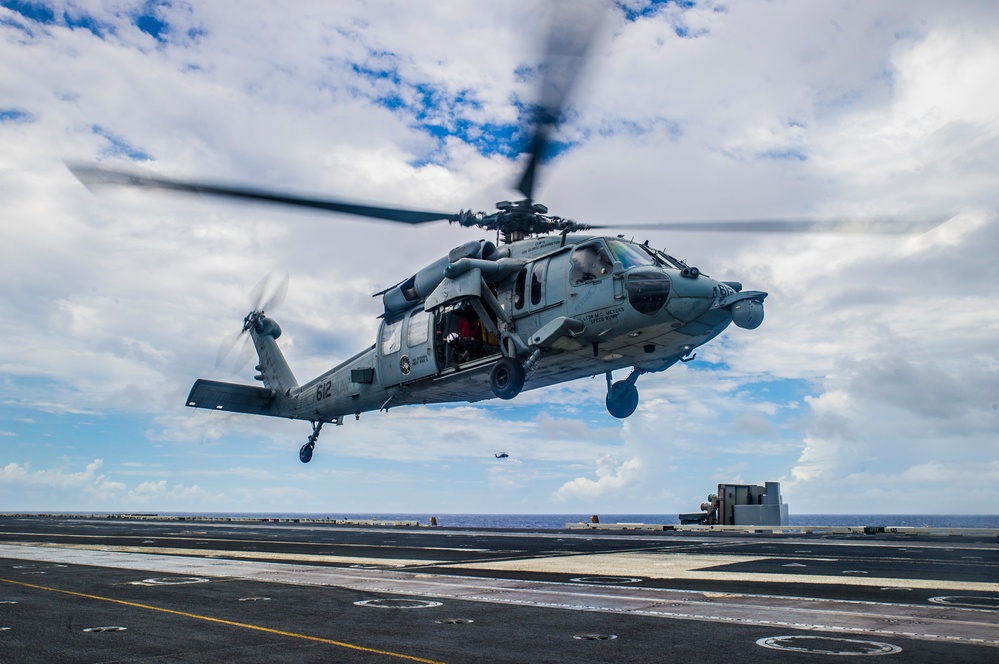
point(519, 219)
point(256, 321)
point(251, 320)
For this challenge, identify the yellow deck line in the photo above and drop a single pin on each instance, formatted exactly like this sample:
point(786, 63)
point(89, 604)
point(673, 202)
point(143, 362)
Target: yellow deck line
point(258, 628)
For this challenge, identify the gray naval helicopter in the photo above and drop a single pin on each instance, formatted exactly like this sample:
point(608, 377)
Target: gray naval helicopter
point(491, 321)
point(545, 304)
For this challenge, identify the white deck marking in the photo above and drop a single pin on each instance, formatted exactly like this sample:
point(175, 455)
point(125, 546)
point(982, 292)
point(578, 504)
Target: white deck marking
point(700, 567)
point(931, 621)
point(245, 555)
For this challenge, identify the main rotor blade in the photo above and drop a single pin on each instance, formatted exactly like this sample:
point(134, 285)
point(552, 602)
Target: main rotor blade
point(572, 32)
point(97, 176)
point(845, 225)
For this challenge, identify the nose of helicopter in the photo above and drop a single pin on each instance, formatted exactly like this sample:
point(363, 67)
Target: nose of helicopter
point(691, 296)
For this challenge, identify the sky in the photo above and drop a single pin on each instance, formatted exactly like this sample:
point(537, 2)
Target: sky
point(872, 387)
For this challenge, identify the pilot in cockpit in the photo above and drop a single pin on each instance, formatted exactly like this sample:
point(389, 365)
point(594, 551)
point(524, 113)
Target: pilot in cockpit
point(590, 262)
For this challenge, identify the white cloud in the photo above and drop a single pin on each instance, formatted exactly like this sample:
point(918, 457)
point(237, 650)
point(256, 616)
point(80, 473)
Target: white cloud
point(65, 489)
point(612, 477)
point(88, 479)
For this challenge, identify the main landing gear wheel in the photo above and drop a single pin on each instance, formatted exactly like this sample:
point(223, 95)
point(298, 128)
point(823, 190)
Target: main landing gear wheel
point(507, 378)
point(622, 399)
point(305, 454)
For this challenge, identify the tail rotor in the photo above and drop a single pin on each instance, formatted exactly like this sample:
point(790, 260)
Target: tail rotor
point(266, 296)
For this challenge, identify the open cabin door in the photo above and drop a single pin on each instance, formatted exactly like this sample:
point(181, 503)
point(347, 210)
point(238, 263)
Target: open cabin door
point(465, 334)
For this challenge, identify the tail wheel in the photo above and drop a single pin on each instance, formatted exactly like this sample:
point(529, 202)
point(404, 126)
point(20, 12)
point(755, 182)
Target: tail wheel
point(507, 378)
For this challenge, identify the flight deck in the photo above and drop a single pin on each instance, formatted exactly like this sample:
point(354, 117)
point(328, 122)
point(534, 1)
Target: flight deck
point(89, 589)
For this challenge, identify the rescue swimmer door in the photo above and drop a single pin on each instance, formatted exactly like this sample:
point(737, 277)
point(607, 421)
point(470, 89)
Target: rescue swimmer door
point(405, 348)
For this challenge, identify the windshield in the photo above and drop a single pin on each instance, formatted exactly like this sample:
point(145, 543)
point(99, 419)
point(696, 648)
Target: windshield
point(628, 254)
point(670, 261)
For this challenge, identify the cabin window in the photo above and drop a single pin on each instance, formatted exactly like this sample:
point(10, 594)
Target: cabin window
point(391, 336)
point(419, 328)
point(536, 281)
point(518, 290)
point(590, 263)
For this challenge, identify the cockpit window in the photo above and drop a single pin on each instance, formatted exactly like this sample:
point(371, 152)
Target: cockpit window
point(629, 255)
point(589, 263)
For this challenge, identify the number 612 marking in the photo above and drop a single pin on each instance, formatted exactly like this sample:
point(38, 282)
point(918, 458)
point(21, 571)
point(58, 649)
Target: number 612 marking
point(324, 390)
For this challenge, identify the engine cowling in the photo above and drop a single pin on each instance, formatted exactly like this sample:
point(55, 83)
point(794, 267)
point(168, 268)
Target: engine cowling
point(401, 297)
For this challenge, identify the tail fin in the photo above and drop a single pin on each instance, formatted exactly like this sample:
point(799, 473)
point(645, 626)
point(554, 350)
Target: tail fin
point(273, 368)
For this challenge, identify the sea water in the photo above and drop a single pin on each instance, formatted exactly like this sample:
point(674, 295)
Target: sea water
point(558, 521)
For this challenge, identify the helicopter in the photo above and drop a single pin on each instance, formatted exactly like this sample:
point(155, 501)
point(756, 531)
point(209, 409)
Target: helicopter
point(491, 320)
point(547, 302)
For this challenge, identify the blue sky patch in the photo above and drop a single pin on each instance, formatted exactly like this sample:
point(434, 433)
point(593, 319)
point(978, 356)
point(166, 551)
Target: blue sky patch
point(634, 11)
point(648, 9)
point(783, 155)
point(659, 125)
point(525, 73)
point(34, 11)
point(45, 15)
point(119, 147)
point(150, 21)
point(488, 139)
point(703, 364)
point(147, 20)
point(786, 390)
point(152, 26)
point(436, 111)
point(15, 115)
point(86, 22)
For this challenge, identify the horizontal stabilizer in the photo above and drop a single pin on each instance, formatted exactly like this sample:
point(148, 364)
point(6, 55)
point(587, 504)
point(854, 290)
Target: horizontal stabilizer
point(230, 397)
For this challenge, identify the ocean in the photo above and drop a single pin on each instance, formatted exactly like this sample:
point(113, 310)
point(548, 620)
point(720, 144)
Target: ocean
point(558, 521)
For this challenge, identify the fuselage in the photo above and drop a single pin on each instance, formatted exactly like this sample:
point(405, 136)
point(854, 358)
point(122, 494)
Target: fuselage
point(567, 308)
